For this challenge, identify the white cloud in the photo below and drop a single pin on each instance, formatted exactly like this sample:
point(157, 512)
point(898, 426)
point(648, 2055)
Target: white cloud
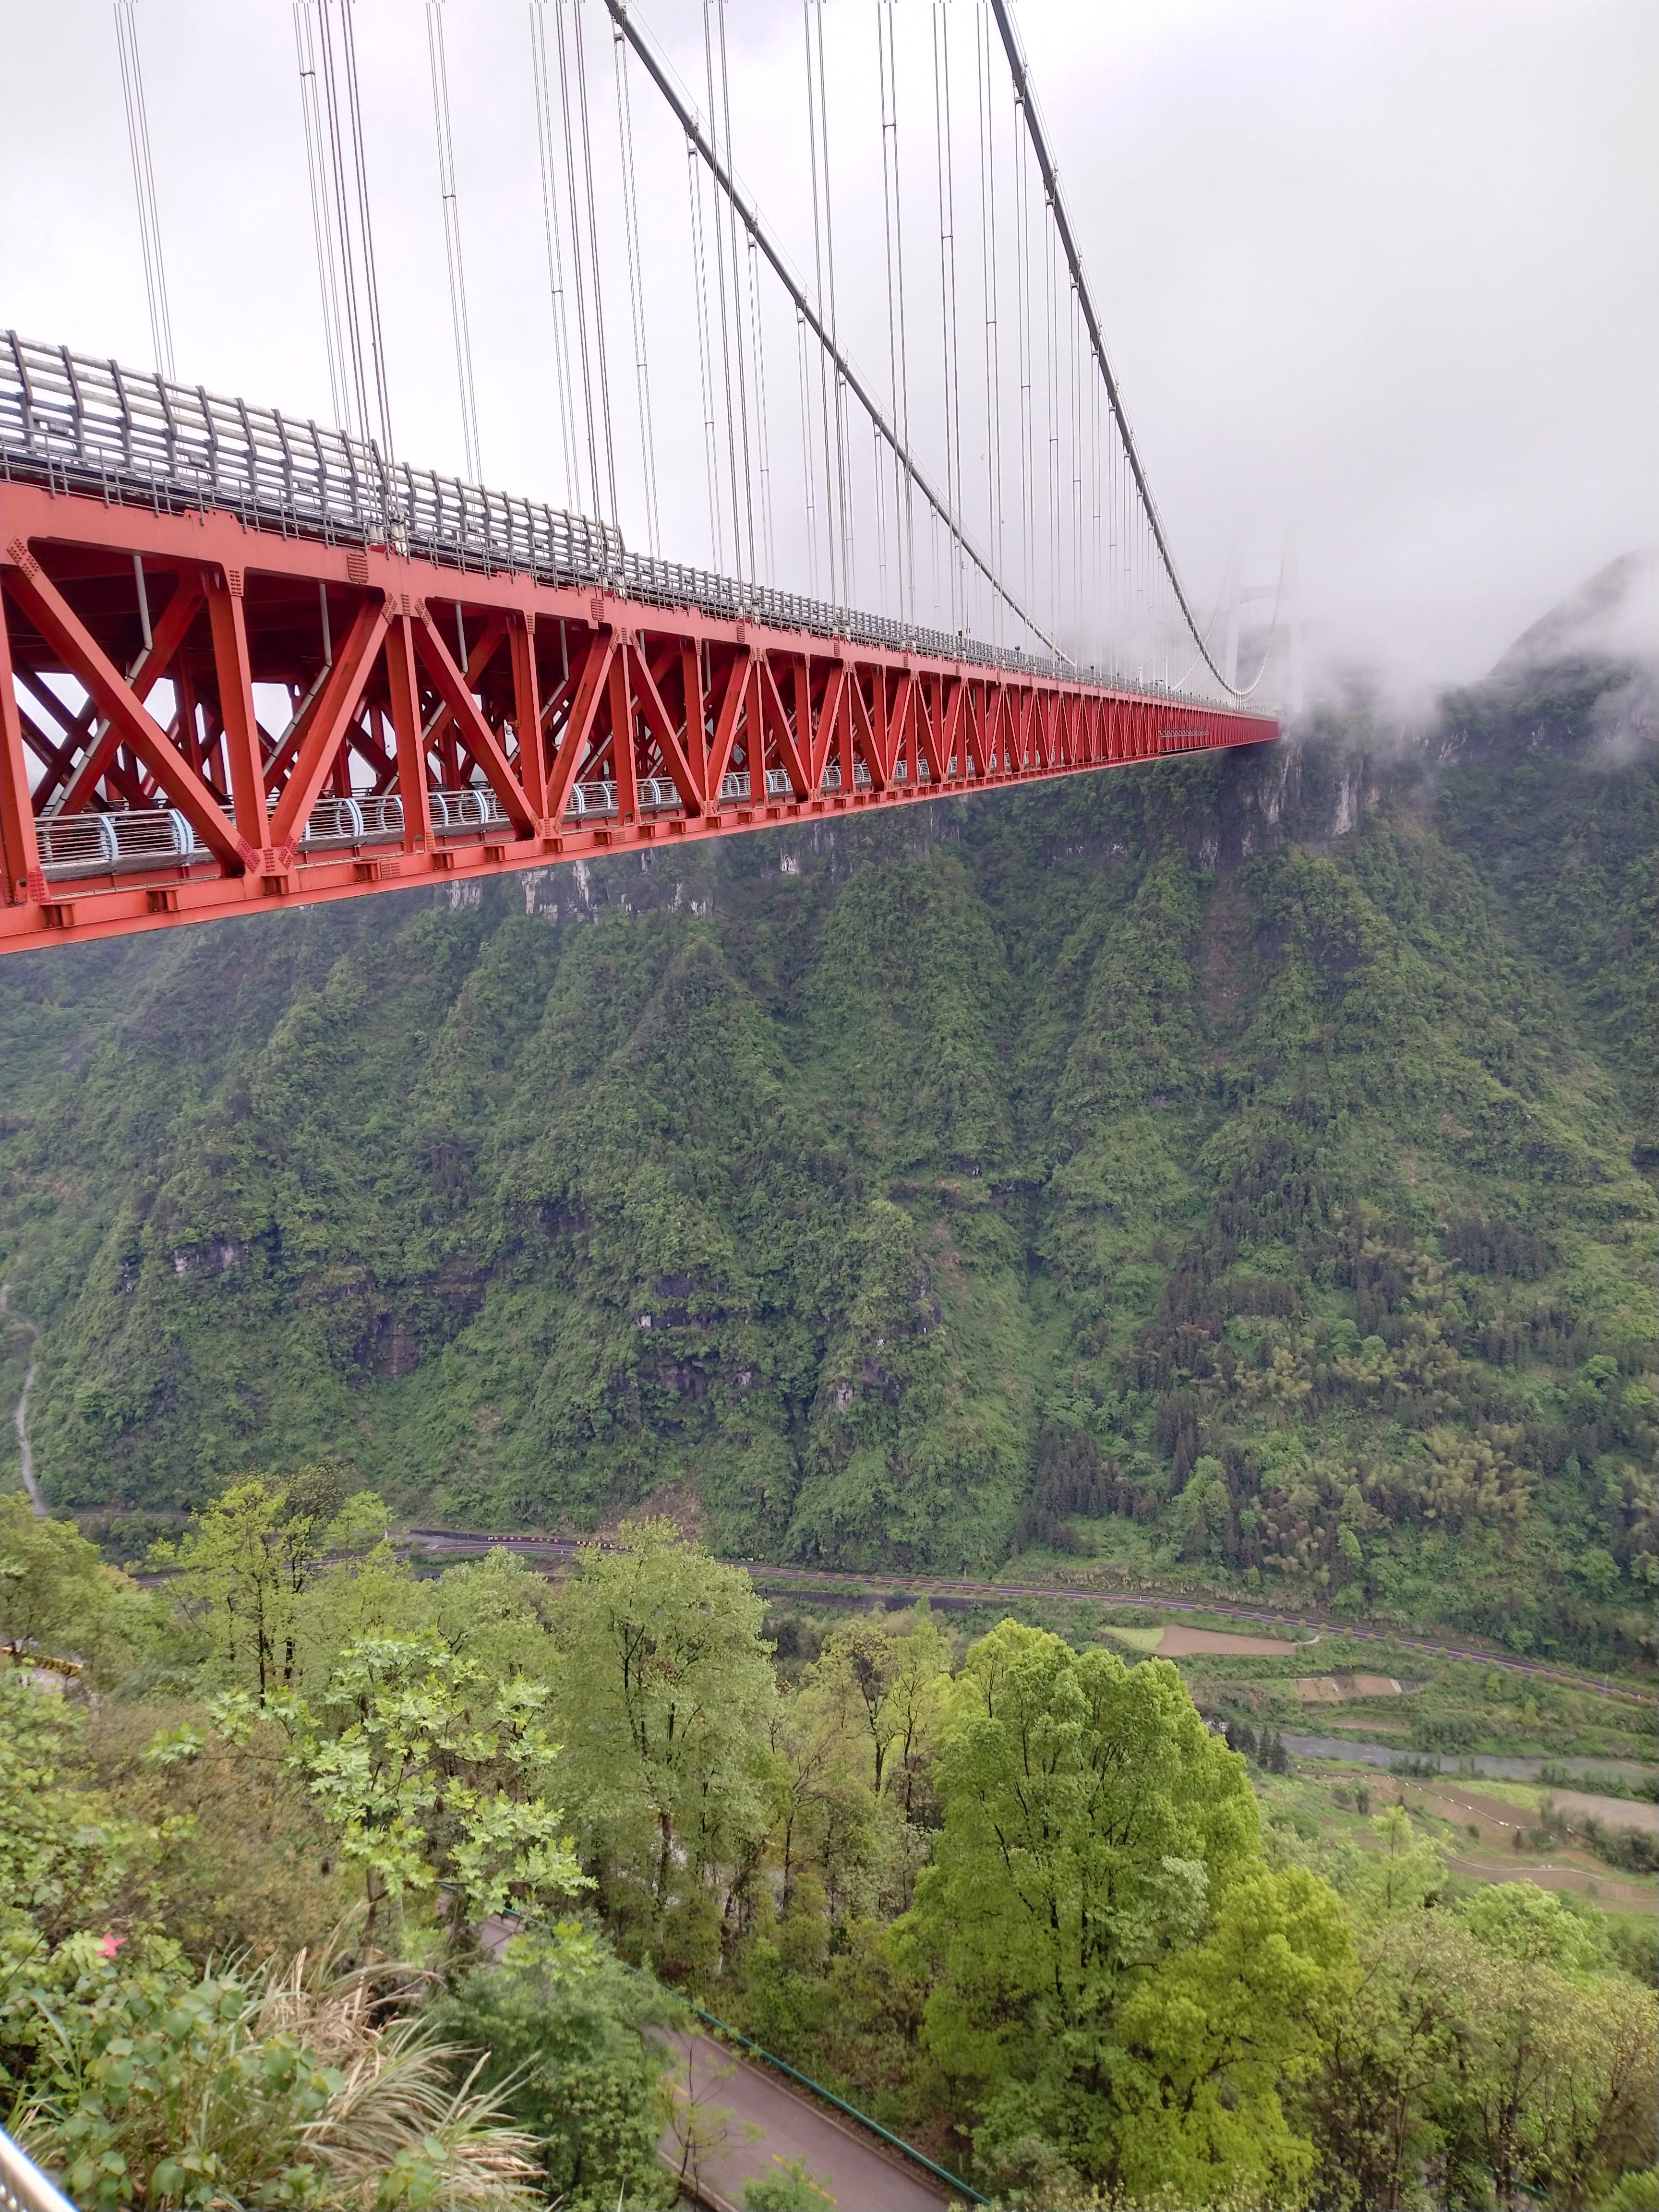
point(1379, 275)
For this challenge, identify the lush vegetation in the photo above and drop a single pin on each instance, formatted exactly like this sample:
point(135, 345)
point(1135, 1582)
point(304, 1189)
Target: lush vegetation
point(1239, 1170)
point(1013, 1897)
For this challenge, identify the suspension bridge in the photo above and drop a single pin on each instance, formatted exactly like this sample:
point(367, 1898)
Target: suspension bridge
point(248, 660)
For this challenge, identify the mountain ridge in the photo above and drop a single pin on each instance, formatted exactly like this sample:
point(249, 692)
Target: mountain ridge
point(1241, 1165)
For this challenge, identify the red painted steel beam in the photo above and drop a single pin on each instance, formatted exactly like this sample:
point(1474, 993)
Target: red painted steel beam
point(668, 717)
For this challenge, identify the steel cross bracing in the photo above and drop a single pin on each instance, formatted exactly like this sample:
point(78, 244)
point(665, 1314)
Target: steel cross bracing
point(466, 683)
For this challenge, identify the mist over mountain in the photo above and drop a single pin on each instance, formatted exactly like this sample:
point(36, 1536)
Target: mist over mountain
point(1239, 1167)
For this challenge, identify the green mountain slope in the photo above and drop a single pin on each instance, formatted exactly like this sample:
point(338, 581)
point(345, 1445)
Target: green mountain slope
point(1237, 1167)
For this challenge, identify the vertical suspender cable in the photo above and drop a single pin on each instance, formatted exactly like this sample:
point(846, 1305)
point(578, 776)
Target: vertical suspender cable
point(143, 186)
point(1075, 424)
point(612, 515)
point(365, 226)
point(1022, 306)
point(844, 486)
point(898, 349)
point(850, 382)
point(887, 125)
point(989, 291)
point(440, 66)
point(725, 328)
point(763, 440)
point(946, 157)
point(705, 353)
point(808, 487)
point(731, 217)
point(542, 83)
point(1097, 610)
point(946, 260)
point(340, 207)
point(834, 474)
point(1051, 409)
point(324, 222)
point(636, 292)
point(573, 203)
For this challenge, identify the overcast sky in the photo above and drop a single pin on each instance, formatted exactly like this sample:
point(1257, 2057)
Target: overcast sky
point(1378, 278)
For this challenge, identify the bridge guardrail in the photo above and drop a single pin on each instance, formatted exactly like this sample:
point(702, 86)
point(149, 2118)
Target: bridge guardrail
point(134, 437)
point(24, 2187)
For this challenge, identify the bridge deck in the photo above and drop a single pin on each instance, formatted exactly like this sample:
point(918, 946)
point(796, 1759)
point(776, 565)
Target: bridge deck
point(224, 689)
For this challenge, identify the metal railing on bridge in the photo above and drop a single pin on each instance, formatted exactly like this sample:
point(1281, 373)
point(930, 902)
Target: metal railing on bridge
point(134, 437)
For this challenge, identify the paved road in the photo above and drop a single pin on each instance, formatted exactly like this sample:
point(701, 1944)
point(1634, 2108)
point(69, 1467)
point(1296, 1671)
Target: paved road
point(1497, 1765)
point(950, 1590)
point(733, 2121)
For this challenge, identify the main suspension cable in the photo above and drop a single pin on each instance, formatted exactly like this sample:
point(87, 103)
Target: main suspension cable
point(1026, 101)
point(691, 125)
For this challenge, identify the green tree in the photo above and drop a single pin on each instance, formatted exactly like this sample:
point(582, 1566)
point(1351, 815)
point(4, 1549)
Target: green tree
point(664, 1698)
point(57, 1595)
point(67, 1857)
point(252, 1555)
point(1392, 2033)
point(1557, 2061)
point(432, 1772)
point(1219, 2033)
point(1092, 1822)
point(888, 1690)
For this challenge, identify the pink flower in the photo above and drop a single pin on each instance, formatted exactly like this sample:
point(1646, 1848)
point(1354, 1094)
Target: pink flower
point(111, 1944)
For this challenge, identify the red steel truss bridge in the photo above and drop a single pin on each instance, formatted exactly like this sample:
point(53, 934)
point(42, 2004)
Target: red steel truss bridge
point(247, 662)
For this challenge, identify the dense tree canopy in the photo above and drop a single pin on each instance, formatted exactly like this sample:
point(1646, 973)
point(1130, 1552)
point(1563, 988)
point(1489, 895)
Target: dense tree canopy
point(1015, 1896)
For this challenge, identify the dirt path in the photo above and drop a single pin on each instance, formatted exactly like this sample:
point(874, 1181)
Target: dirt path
point(734, 2123)
point(20, 1418)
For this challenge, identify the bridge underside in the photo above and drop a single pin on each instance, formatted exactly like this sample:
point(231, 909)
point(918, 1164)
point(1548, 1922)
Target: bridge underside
point(201, 718)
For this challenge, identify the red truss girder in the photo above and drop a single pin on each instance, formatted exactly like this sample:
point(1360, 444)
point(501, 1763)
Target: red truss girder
point(406, 681)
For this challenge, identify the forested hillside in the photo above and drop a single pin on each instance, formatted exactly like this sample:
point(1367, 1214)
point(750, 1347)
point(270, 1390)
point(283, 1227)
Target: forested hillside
point(1239, 1167)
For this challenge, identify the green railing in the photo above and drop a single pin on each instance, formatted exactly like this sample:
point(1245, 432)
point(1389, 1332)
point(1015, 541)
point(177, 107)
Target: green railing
point(942, 2173)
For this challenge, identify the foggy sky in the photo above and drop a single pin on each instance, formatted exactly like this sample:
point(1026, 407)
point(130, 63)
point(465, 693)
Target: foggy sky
point(1378, 280)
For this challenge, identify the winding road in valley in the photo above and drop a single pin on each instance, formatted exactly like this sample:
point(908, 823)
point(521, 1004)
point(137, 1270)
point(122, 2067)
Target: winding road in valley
point(20, 1417)
point(953, 1593)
